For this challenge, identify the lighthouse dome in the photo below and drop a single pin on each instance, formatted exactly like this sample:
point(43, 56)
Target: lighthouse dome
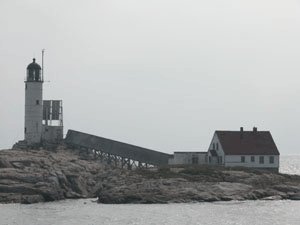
point(34, 72)
point(34, 65)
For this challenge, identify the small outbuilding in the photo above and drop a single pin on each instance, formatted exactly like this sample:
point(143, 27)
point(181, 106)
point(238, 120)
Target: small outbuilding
point(188, 158)
point(251, 149)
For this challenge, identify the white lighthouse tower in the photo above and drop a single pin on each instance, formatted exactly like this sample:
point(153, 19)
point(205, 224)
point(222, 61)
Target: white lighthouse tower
point(33, 103)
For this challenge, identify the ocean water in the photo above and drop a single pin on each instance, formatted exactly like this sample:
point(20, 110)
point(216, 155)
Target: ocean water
point(290, 164)
point(87, 212)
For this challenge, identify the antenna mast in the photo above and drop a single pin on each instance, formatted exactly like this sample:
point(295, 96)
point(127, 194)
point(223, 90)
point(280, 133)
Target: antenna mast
point(43, 50)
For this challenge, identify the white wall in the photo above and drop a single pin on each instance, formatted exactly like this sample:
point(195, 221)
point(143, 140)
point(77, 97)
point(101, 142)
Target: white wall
point(216, 145)
point(235, 160)
point(186, 157)
point(52, 134)
point(33, 111)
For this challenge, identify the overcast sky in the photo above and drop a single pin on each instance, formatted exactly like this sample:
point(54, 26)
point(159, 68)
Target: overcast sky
point(161, 74)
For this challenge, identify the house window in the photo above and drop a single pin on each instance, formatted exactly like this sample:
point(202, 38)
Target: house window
point(217, 146)
point(37, 102)
point(271, 160)
point(209, 159)
point(252, 159)
point(261, 159)
point(213, 146)
point(242, 159)
point(195, 160)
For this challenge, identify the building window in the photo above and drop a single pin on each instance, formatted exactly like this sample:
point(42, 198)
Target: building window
point(217, 146)
point(252, 159)
point(213, 146)
point(195, 160)
point(37, 102)
point(242, 159)
point(271, 160)
point(209, 159)
point(261, 159)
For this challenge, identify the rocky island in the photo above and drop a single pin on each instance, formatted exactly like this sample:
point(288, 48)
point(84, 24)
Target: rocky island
point(31, 176)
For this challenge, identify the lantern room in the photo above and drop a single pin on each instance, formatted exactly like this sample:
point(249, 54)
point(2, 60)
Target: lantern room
point(34, 72)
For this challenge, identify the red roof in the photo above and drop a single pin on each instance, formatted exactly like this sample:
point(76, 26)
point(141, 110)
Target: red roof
point(251, 143)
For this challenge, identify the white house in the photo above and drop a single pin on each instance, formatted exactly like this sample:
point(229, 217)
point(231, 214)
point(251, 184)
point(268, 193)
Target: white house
point(251, 149)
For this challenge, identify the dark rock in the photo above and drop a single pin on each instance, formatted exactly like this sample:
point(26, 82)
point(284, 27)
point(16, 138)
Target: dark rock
point(30, 199)
point(226, 198)
point(294, 197)
point(5, 164)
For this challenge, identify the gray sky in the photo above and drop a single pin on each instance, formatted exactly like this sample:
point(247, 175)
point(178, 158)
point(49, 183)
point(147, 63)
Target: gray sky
point(161, 74)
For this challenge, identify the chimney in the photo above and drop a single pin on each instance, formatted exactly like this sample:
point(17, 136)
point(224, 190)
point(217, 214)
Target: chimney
point(242, 132)
point(254, 129)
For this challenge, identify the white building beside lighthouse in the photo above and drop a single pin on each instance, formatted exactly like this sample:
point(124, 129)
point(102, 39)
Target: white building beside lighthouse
point(33, 104)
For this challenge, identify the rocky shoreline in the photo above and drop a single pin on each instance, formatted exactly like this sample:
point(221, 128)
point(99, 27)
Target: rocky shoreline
point(200, 184)
point(31, 176)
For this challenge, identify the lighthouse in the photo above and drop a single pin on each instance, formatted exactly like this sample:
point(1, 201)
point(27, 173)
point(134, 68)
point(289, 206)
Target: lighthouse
point(33, 103)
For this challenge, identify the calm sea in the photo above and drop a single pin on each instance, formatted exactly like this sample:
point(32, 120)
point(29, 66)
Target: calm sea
point(86, 212)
